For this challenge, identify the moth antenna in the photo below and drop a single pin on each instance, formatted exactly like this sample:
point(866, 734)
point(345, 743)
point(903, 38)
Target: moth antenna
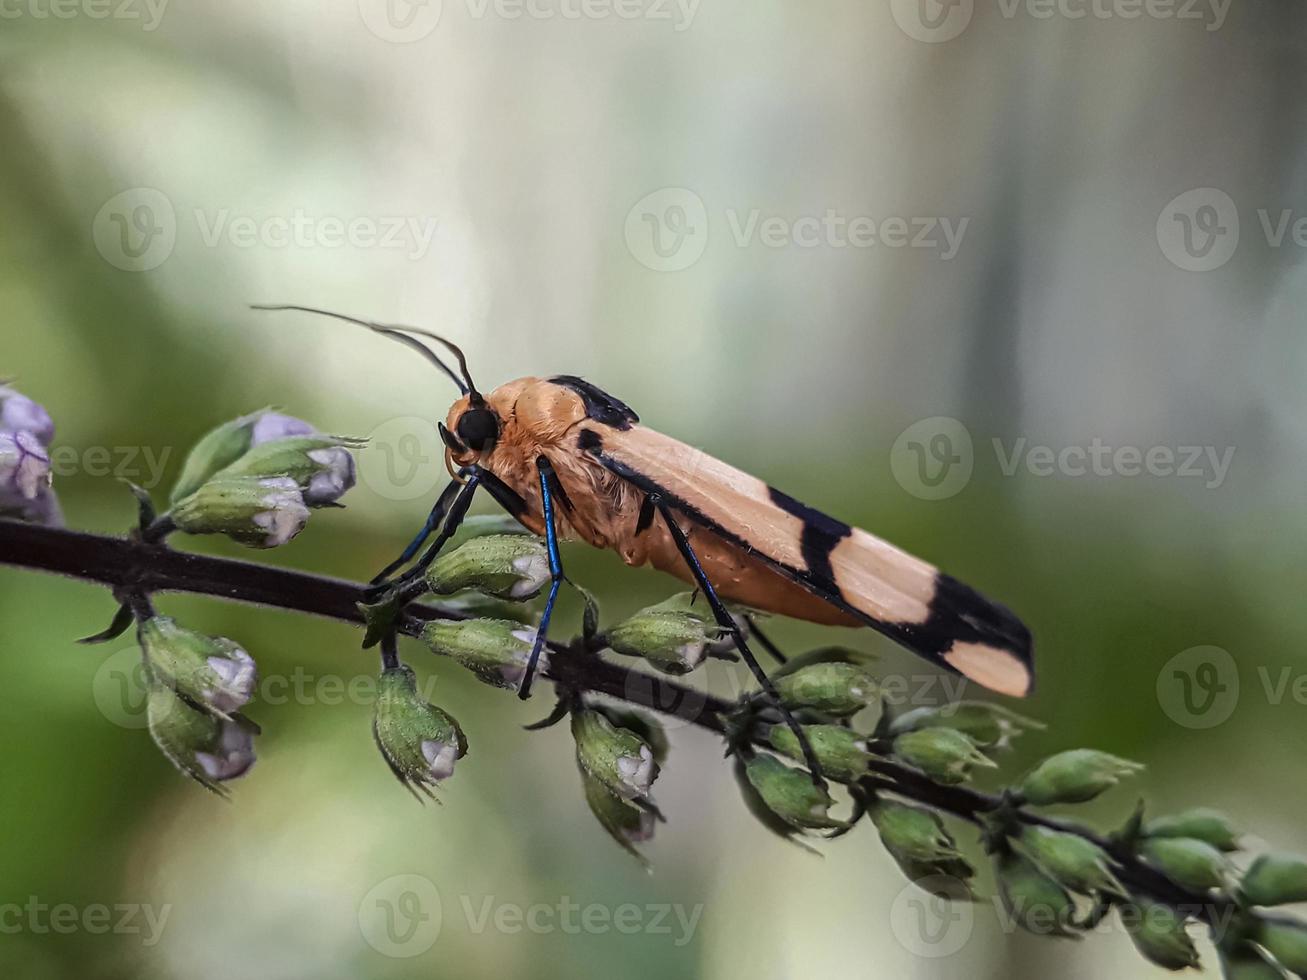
point(393, 333)
point(456, 351)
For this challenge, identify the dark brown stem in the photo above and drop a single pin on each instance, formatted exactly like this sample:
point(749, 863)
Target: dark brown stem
point(128, 565)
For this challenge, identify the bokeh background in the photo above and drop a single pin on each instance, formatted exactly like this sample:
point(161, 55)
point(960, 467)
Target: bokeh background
point(736, 216)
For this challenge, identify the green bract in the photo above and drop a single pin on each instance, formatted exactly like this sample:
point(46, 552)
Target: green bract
point(505, 566)
point(790, 794)
point(496, 650)
point(945, 755)
point(1075, 777)
point(420, 742)
point(673, 635)
point(841, 752)
point(617, 757)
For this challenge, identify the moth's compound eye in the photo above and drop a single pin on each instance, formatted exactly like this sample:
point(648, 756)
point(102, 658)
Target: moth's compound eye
point(477, 428)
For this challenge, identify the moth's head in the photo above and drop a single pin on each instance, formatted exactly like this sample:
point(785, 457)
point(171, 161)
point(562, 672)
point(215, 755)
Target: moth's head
point(471, 429)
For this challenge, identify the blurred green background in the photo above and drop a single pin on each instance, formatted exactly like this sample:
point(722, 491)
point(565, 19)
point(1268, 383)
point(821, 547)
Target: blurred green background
point(663, 203)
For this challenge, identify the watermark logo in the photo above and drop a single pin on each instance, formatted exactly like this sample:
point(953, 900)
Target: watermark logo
point(1198, 688)
point(1198, 231)
point(667, 230)
point(404, 459)
point(933, 458)
point(932, 21)
point(933, 918)
point(400, 21)
point(119, 688)
point(136, 230)
point(37, 918)
point(142, 465)
point(401, 916)
point(148, 12)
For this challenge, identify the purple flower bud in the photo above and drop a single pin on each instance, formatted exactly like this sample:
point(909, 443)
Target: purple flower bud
point(24, 468)
point(274, 425)
point(336, 476)
point(233, 754)
point(18, 413)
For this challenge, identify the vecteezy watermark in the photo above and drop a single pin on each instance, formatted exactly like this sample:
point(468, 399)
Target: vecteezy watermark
point(403, 917)
point(148, 12)
point(936, 917)
point(120, 688)
point(934, 459)
point(667, 230)
point(406, 21)
point(404, 459)
point(137, 230)
point(142, 465)
point(933, 918)
point(39, 918)
point(1199, 687)
point(1199, 230)
point(936, 21)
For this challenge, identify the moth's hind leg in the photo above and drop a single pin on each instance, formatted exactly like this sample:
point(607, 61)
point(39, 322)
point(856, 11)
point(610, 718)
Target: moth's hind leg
point(727, 622)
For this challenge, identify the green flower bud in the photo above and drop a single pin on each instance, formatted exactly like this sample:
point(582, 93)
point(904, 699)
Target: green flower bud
point(209, 749)
point(261, 513)
point(1076, 863)
point(625, 822)
point(1035, 901)
point(1075, 777)
point(649, 729)
point(1158, 932)
point(986, 724)
point(1244, 962)
point(790, 793)
point(672, 636)
point(944, 754)
point(496, 650)
point(912, 833)
point(841, 751)
point(216, 451)
point(321, 465)
point(480, 525)
point(617, 757)
point(1275, 879)
point(211, 671)
point(506, 566)
point(1286, 940)
point(838, 689)
point(1201, 824)
point(1192, 863)
point(420, 742)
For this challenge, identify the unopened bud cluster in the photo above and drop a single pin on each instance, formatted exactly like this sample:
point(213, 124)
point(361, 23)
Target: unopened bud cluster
point(255, 479)
point(197, 684)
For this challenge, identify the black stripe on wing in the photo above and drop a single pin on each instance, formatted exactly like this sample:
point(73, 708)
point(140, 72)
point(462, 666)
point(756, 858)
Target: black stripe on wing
point(956, 613)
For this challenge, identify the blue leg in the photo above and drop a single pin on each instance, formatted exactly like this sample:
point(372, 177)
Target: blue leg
point(727, 622)
point(555, 573)
point(433, 521)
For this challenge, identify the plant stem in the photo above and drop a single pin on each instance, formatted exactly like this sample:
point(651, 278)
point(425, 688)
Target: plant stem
point(131, 565)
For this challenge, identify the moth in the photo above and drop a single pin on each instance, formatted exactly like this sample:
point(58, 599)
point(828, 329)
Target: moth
point(570, 461)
